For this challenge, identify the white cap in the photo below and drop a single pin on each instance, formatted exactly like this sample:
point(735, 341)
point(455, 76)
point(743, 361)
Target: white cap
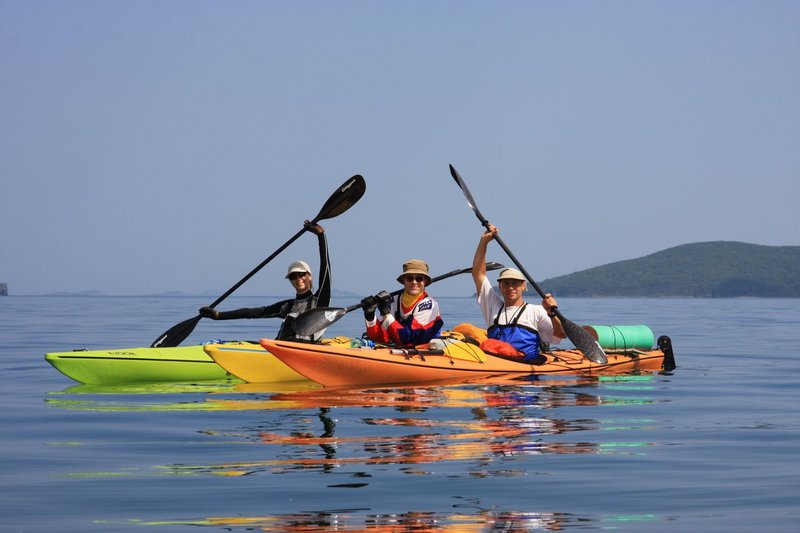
point(298, 266)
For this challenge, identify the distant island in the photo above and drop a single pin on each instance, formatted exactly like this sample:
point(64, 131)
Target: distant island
point(718, 269)
point(76, 293)
point(180, 294)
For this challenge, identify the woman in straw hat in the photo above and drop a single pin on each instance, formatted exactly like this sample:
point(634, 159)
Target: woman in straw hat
point(508, 317)
point(299, 275)
point(408, 319)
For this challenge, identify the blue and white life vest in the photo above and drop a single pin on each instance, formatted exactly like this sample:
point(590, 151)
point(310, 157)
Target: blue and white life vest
point(523, 338)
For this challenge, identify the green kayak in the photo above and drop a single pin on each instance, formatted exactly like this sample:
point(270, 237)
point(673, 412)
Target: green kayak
point(139, 365)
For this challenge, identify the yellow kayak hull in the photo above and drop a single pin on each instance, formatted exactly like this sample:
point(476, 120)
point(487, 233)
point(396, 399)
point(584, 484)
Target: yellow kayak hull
point(250, 362)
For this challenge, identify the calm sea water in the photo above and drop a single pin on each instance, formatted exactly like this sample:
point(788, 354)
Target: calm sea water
point(712, 446)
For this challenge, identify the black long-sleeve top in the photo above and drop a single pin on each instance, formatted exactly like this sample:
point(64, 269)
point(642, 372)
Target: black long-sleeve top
point(289, 309)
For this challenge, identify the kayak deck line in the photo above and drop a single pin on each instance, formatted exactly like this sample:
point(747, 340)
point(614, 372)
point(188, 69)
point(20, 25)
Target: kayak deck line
point(232, 349)
point(51, 357)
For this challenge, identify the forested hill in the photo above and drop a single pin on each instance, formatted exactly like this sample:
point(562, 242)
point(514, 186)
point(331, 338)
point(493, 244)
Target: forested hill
point(719, 269)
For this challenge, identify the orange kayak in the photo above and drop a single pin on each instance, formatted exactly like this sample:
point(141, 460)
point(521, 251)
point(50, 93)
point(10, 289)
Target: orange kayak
point(336, 364)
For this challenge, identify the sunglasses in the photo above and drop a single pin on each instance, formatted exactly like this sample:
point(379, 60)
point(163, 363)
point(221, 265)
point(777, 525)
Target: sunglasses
point(409, 278)
point(296, 275)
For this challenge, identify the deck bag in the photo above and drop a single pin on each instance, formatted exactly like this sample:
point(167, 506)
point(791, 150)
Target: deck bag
point(498, 347)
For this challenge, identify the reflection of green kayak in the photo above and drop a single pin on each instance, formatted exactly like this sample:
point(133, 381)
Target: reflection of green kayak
point(138, 365)
point(153, 388)
point(163, 396)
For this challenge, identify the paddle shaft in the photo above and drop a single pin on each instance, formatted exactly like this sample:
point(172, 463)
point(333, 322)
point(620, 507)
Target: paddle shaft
point(471, 202)
point(340, 201)
point(319, 318)
point(260, 266)
point(579, 336)
point(333, 207)
point(433, 280)
point(524, 272)
point(178, 333)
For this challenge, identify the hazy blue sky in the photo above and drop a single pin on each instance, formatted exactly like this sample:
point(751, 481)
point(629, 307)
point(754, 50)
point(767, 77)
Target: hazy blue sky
point(173, 145)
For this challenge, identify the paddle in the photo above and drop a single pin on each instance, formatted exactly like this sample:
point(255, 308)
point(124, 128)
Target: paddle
point(579, 336)
point(315, 320)
point(340, 201)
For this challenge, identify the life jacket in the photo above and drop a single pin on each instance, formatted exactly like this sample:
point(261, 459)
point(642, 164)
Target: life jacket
point(422, 323)
point(406, 321)
point(523, 338)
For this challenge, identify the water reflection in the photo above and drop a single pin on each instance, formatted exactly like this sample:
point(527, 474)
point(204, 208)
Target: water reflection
point(480, 424)
point(494, 392)
point(413, 427)
point(210, 396)
point(358, 520)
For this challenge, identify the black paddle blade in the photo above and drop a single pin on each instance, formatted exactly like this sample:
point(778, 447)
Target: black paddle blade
point(315, 320)
point(176, 334)
point(468, 195)
point(583, 341)
point(344, 198)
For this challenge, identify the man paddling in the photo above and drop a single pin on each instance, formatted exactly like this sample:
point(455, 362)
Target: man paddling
point(299, 275)
point(408, 319)
point(508, 317)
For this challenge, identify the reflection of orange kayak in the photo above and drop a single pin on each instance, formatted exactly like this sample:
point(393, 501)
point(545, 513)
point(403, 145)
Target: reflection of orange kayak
point(333, 365)
point(355, 521)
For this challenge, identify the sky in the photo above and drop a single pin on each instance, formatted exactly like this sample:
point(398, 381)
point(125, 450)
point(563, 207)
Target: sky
point(153, 146)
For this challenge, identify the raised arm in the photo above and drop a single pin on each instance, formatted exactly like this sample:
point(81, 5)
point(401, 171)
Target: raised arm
point(324, 290)
point(479, 261)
